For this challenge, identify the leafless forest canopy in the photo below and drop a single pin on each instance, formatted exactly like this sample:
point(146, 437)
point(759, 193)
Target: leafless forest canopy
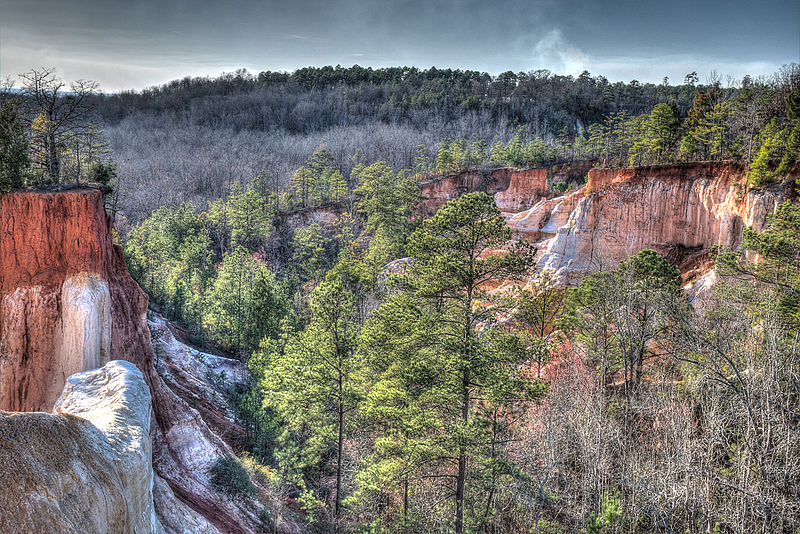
point(189, 139)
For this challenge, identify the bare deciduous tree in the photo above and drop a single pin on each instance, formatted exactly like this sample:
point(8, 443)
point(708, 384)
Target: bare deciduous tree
point(57, 112)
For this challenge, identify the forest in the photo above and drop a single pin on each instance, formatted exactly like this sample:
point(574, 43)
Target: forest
point(391, 392)
point(189, 140)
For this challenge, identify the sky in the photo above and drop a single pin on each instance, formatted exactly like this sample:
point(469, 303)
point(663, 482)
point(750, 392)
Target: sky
point(134, 44)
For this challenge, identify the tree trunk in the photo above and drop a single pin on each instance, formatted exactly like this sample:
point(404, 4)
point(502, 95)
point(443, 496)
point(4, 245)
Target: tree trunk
point(405, 498)
point(462, 458)
point(462, 474)
point(53, 169)
point(340, 446)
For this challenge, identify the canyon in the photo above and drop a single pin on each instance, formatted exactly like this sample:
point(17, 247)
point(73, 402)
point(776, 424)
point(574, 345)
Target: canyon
point(93, 389)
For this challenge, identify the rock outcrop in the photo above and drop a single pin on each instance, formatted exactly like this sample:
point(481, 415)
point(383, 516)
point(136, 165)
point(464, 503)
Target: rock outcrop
point(437, 191)
point(86, 468)
point(201, 379)
point(513, 189)
point(682, 211)
point(68, 304)
point(525, 188)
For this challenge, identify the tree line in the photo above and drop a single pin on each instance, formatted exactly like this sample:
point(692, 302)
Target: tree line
point(192, 138)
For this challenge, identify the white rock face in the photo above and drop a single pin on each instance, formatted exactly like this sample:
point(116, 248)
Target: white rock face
point(85, 324)
point(49, 333)
point(587, 230)
point(175, 516)
point(87, 468)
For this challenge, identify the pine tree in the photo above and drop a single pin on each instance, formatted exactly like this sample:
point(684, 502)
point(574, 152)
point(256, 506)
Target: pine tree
point(13, 148)
point(615, 315)
point(387, 200)
point(229, 301)
point(310, 384)
point(664, 132)
point(540, 303)
point(430, 357)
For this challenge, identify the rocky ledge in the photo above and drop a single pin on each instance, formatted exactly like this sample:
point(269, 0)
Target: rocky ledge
point(87, 467)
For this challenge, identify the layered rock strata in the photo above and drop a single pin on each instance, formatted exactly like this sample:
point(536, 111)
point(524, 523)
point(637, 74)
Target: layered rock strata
point(682, 211)
point(86, 468)
point(68, 304)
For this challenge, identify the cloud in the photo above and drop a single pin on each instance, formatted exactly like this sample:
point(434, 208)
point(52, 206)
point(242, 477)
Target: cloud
point(555, 53)
point(653, 68)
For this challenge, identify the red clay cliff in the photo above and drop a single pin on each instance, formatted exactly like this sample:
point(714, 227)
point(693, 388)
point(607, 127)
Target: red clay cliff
point(47, 239)
point(69, 304)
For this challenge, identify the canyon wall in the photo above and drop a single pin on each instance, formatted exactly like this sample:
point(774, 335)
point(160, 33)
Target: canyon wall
point(682, 211)
point(513, 189)
point(437, 191)
point(87, 468)
point(68, 304)
point(524, 189)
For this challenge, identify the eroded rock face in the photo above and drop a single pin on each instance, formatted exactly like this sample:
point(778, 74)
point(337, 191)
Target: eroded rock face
point(29, 341)
point(438, 191)
point(85, 323)
point(41, 347)
point(525, 188)
point(68, 304)
point(174, 515)
point(87, 468)
point(202, 429)
point(202, 379)
point(513, 189)
point(682, 211)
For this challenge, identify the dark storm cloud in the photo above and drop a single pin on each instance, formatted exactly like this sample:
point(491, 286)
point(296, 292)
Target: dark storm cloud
point(133, 44)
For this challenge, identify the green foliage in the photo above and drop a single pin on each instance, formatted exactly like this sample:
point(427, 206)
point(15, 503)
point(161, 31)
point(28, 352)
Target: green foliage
point(521, 151)
point(241, 219)
point(319, 180)
point(262, 423)
point(616, 314)
point(103, 172)
point(312, 254)
point(244, 303)
point(777, 155)
point(454, 156)
point(539, 306)
point(309, 380)
point(608, 518)
point(427, 361)
point(664, 128)
point(387, 201)
point(170, 255)
point(14, 159)
point(779, 266)
point(229, 476)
